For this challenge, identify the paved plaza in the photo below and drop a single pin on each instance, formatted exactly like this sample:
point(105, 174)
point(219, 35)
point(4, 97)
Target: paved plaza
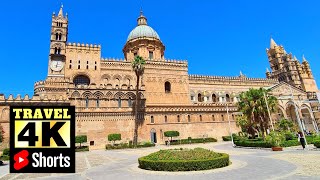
point(292, 163)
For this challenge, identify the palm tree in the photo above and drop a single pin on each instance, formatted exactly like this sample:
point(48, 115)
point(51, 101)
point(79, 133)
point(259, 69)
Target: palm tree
point(138, 67)
point(253, 106)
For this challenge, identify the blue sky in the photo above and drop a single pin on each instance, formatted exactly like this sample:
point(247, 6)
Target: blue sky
point(216, 37)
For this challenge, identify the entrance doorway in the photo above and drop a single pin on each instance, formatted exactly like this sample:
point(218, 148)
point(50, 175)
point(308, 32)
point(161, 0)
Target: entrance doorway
point(153, 134)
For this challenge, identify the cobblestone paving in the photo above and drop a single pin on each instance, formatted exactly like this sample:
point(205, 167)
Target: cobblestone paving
point(293, 163)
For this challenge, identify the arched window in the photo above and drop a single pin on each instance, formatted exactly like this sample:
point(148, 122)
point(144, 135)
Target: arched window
point(55, 50)
point(87, 67)
point(82, 80)
point(119, 102)
point(60, 35)
point(165, 119)
point(167, 87)
point(222, 117)
point(227, 98)
point(150, 55)
point(152, 119)
point(189, 118)
point(59, 50)
point(87, 102)
point(57, 36)
point(200, 97)
point(200, 117)
point(178, 118)
point(98, 102)
point(130, 102)
point(213, 118)
point(214, 98)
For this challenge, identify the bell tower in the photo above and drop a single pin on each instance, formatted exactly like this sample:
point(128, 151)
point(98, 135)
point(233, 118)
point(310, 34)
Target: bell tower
point(58, 40)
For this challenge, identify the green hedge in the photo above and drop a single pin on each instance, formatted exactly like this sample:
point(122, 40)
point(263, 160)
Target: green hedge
point(317, 143)
point(193, 141)
point(290, 143)
point(129, 145)
point(82, 148)
point(226, 138)
point(151, 162)
point(255, 143)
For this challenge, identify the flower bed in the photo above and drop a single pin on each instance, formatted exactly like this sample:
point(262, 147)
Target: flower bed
point(184, 160)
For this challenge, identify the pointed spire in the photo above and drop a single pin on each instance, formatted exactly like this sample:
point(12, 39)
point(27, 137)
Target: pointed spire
point(272, 44)
point(241, 73)
point(267, 70)
point(295, 58)
point(304, 59)
point(61, 11)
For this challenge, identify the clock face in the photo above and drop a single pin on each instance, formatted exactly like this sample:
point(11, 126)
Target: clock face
point(56, 65)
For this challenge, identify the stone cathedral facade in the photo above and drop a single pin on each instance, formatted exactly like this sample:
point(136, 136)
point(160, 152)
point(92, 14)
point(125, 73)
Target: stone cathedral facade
point(103, 90)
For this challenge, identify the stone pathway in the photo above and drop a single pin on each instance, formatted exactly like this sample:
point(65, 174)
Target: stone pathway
point(292, 163)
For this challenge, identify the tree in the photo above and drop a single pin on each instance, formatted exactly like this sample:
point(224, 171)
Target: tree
point(81, 139)
point(114, 137)
point(285, 125)
point(171, 134)
point(138, 67)
point(253, 105)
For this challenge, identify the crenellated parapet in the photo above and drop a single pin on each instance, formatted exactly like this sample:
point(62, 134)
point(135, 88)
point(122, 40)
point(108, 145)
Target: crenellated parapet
point(82, 46)
point(34, 99)
point(231, 79)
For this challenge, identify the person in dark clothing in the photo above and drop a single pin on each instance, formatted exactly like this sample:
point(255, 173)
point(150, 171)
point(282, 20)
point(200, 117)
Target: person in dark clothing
point(301, 139)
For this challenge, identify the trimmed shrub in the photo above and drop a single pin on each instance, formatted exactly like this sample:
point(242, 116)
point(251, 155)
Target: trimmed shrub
point(81, 139)
point(114, 137)
point(171, 134)
point(317, 143)
point(184, 160)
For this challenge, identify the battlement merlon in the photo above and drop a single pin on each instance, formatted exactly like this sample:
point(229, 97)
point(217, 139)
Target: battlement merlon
point(34, 99)
point(82, 46)
point(231, 78)
point(148, 61)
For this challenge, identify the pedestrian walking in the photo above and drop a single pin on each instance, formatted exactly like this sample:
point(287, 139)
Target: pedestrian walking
point(301, 139)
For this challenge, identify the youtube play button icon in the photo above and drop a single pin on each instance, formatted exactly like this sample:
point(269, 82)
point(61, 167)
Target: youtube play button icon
point(21, 160)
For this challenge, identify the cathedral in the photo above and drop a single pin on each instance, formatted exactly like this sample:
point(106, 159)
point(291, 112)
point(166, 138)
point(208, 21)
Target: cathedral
point(104, 90)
